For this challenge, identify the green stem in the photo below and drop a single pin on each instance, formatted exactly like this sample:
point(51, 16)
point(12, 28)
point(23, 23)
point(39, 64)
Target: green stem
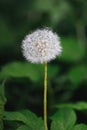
point(45, 96)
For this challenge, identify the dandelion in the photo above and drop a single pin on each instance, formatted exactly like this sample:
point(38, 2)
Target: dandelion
point(42, 46)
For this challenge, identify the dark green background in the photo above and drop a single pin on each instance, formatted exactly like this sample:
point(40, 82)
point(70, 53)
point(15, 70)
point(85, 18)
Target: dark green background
point(67, 74)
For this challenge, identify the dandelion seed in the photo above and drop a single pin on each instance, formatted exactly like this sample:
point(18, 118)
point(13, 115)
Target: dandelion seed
point(41, 46)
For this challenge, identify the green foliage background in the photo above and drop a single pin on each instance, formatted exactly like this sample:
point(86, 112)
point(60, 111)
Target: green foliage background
point(67, 74)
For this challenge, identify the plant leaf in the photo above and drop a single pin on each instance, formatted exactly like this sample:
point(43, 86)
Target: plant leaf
point(21, 69)
point(23, 127)
point(57, 125)
point(77, 106)
point(27, 117)
point(73, 51)
point(24, 69)
point(43, 6)
point(2, 94)
point(64, 119)
point(2, 103)
point(77, 74)
point(80, 127)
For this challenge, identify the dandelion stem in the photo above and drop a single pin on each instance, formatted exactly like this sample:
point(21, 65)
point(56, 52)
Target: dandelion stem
point(45, 96)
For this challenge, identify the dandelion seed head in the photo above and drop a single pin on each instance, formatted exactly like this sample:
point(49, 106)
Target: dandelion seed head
point(41, 46)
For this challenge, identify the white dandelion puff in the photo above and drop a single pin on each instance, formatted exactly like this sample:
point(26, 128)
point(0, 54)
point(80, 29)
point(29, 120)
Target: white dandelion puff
point(41, 46)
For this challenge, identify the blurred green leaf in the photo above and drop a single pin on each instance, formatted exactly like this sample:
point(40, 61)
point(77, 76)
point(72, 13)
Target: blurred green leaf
point(77, 106)
point(2, 104)
point(24, 69)
point(56, 9)
point(27, 117)
point(57, 125)
point(21, 69)
point(45, 5)
point(80, 127)
point(59, 11)
point(72, 50)
point(64, 119)
point(2, 94)
point(77, 74)
point(23, 127)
